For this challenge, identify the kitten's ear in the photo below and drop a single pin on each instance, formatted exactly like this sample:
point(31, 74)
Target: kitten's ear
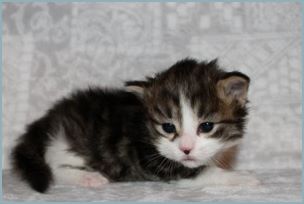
point(137, 87)
point(233, 86)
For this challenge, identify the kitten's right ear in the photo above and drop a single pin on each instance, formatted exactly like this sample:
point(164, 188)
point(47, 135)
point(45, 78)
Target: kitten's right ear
point(137, 87)
point(233, 86)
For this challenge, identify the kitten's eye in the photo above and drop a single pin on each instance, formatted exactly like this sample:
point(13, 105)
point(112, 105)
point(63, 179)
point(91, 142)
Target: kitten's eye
point(205, 127)
point(168, 127)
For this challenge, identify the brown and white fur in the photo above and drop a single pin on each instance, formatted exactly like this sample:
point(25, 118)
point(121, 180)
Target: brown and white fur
point(175, 126)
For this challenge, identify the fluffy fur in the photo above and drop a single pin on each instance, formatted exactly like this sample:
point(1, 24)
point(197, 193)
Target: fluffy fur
point(118, 132)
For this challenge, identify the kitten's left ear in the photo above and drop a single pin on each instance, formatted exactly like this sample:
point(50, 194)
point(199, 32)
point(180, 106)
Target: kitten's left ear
point(233, 86)
point(136, 86)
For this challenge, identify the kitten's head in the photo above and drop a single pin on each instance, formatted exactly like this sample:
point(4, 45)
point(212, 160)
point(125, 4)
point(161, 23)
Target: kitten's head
point(196, 110)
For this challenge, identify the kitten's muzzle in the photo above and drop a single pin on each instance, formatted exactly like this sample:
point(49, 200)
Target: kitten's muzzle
point(188, 158)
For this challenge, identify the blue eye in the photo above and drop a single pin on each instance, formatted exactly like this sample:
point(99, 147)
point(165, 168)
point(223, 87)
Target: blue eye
point(168, 127)
point(206, 127)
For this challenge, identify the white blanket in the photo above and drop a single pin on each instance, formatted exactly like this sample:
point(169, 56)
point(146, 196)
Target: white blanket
point(277, 185)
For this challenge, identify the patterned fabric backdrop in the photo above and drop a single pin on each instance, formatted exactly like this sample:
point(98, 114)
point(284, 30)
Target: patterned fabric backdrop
point(49, 49)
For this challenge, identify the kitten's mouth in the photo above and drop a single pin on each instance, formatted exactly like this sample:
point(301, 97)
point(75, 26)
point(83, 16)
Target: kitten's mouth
point(188, 158)
point(189, 162)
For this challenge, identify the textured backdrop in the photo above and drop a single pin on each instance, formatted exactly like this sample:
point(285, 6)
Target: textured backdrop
point(51, 49)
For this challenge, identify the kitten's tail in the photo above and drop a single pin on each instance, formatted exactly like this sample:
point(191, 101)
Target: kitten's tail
point(28, 157)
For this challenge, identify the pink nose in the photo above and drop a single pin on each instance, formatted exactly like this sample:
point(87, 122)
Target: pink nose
point(186, 150)
point(186, 143)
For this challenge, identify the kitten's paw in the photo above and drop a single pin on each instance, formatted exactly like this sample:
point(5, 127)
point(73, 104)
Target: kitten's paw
point(93, 179)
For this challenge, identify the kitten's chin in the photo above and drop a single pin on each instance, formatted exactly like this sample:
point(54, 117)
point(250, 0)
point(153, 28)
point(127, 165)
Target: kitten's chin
point(190, 163)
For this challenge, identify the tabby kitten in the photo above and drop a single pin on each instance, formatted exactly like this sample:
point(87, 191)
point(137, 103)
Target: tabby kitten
point(167, 128)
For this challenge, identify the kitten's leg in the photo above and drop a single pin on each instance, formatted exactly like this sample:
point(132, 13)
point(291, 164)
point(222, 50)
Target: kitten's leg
point(66, 165)
point(218, 176)
point(73, 176)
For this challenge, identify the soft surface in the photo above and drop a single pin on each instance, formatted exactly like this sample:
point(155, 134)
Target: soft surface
point(277, 185)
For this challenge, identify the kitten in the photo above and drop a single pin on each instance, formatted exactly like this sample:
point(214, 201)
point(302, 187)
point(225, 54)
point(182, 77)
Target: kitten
point(167, 128)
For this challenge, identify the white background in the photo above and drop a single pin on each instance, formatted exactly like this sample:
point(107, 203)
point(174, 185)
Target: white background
point(51, 49)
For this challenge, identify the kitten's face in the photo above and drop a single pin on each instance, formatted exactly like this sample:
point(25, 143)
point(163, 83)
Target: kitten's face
point(196, 111)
